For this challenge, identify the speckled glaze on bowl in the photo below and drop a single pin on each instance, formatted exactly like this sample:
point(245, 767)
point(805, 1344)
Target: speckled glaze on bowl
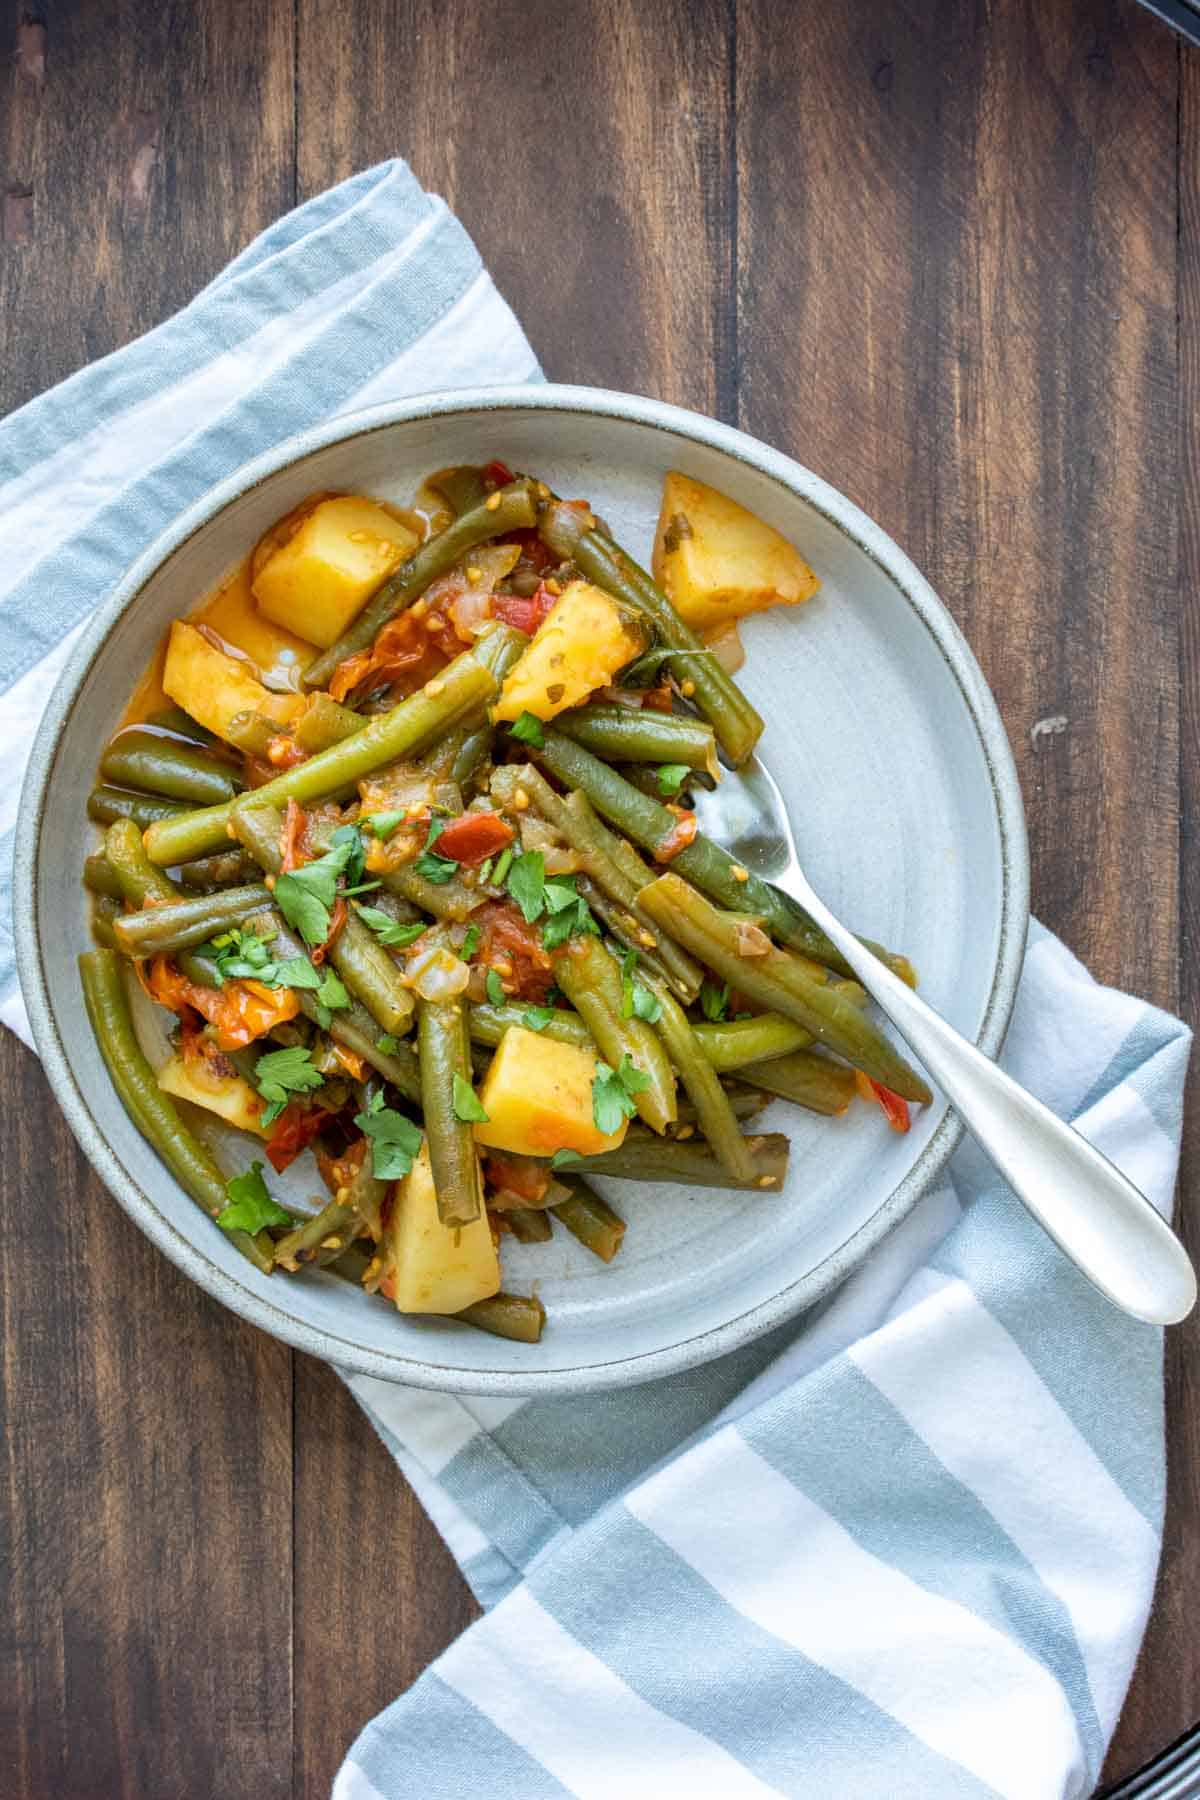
point(898, 773)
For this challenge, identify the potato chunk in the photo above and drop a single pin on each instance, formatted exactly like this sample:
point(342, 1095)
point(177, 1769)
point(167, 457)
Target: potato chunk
point(227, 1095)
point(327, 570)
point(578, 647)
point(212, 686)
point(436, 1268)
point(538, 1098)
point(716, 561)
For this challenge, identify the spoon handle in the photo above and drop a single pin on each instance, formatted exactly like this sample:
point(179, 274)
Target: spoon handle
point(1093, 1213)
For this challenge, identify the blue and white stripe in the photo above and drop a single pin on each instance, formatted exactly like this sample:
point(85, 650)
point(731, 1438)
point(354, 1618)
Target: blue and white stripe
point(906, 1549)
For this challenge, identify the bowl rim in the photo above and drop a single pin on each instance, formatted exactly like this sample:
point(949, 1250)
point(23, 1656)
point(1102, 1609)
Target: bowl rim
point(797, 1296)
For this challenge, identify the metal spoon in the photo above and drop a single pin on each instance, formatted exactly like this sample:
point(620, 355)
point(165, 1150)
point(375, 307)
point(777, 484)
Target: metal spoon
point(1102, 1222)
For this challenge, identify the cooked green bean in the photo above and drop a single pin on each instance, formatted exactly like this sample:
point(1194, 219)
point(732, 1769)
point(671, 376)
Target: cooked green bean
point(461, 487)
point(352, 1263)
point(470, 679)
point(252, 732)
point(177, 925)
point(488, 1025)
point(324, 722)
point(744, 1103)
point(301, 1245)
point(444, 1052)
point(106, 910)
point(141, 882)
point(732, 1043)
point(357, 955)
point(644, 1157)
point(181, 724)
point(591, 980)
point(779, 981)
point(807, 1079)
point(712, 690)
point(621, 880)
point(99, 877)
point(509, 509)
point(636, 735)
point(701, 862)
point(527, 1224)
point(452, 900)
point(630, 931)
point(150, 1109)
point(713, 1112)
point(517, 1316)
point(137, 758)
point(230, 868)
point(591, 1220)
point(353, 1025)
point(106, 804)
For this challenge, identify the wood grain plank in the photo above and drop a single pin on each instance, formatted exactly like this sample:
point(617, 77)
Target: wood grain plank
point(587, 245)
point(1164, 1700)
point(146, 1507)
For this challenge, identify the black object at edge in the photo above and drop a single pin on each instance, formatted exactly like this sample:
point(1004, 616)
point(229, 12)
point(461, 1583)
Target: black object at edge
point(1175, 1775)
point(1184, 15)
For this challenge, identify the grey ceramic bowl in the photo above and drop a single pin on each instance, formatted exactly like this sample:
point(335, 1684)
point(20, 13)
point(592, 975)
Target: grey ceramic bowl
point(895, 763)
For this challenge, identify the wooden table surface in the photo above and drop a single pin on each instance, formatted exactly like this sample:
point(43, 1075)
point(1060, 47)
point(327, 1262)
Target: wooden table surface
point(948, 255)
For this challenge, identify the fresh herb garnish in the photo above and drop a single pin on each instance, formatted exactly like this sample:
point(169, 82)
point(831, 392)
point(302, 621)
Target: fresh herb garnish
point(332, 996)
point(395, 1141)
point(527, 884)
point(637, 1001)
point(470, 943)
point(528, 730)
point(306, 896)
point(612, 1094)
point(503, 865)
point(281, 1073)
point(250, 1206)
point(495, 988)
point(714, 1000)
point(568, 913)
point(562, 1159)
point(435, 868)
point(671, 777)
point(386, 1043)
point(536, 1018)
point(382, 824)
point(388, 930)
point(466, 1102)
point(244, 956)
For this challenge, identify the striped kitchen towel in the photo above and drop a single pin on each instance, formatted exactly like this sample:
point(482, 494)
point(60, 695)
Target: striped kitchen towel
point(905, 1547)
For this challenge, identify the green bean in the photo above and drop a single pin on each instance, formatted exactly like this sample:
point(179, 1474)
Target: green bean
point(461, 487)
point(178, 924)
point(473, 753)
point(516, 1316)
point(301, 1245)
point(713, 1112)
point(444, 1052)
point(106, 910)
point(591, 1220)
point(599, 856)
point(702, 862)
point(732, 1043)
point(353, 1025)
point(150, 1109)
point(181, 724)
point(252, 732)
point(324, 722)
point(509, 509)
point(106, 804)
point(353, 1262)
point(99, 877)
point(779, 981)
point(527, 1224)
point(713, 691)
point(154, 764)
point(466, 682)
point(644, 1157)
point(807, 1079)
point(631, 734)
point(452, 900)
point(141, 883)
point(625, 926)
point(357, 955)
point(488, 1025)
point(591, 980)
point(228, 869)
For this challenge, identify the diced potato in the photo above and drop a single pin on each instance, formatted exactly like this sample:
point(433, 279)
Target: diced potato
point(436, 1268)
point(229, 1096)
point(212, 686)
point(328, 569)
point(538, 1097)
point(578, 647)
point(716, 561)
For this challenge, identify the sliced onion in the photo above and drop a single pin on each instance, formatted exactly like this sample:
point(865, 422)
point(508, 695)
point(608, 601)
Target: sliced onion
point(726, 645)
point(437, 974)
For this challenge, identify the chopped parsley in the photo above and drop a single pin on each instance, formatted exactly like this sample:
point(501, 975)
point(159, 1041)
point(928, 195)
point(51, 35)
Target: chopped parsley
point(435, 868)
point(495, 988)
point(528, 730)
point(466, 1102)
point(527, 884)
point(671, 777)
point(331, 997)
point(382, 824)
point(536, 1018)
point(244, 956)
point(562, 1159)
point(281, 1073)
point(388, 930)
point(612, 1094)
point(250, 1206)
point(470, 943)
point(714, 1000)
point(306, 896)
point(637, 1001)
point(395, 1141)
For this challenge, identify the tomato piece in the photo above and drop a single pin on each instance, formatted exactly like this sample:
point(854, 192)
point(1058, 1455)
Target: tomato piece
point(534, 550)
point(506, 938)
point(337, 919)
point(239, 1012)
point(678, 838)
point(518, 1175)
point(893, 1106)
point(284, 752)
point(524, 613)
point(406, 653)
point(473, 837)
point(292, 1133)
point(289, 844)
point(497, 474)
point(340, 1171)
